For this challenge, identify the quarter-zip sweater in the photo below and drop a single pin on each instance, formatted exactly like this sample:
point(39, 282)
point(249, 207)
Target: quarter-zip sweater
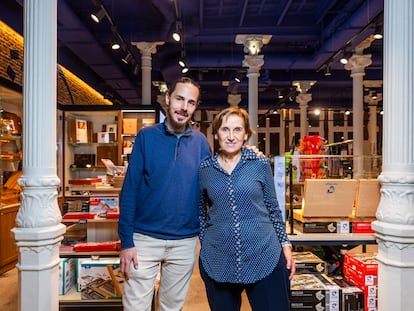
point(160, 193)
point(242, 229)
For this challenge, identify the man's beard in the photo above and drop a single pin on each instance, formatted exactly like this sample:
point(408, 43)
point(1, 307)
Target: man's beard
point(177, 125)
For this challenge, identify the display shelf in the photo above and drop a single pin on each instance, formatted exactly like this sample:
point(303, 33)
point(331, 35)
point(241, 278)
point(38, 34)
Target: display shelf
point(348, 239)
point(73, 299)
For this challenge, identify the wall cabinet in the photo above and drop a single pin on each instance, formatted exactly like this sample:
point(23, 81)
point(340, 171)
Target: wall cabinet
point(8, 249)
point(95, 135)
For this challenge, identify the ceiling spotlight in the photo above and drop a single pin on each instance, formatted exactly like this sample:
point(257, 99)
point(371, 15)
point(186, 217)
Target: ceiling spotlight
point(328, 71)
point(115, 45)
point(184, 70)
point(238, 77)
point(127, 58)
point(176, 36)
point(98, 16)
point(178, 32)
point(316, 112)
point(378, 33)
point(374, 95)
point(345, 57)
point(347, 112)
point(181, 62)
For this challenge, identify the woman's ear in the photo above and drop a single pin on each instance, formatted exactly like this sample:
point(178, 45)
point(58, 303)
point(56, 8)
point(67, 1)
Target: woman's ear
point(215, 136)
point(245, 137)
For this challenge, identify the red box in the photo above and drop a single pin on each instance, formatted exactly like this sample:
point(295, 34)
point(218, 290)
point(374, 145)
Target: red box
point(362, 227)
point(366, 263)
point(79, 215)
point(84, 181)
point(358, 278)
point(95, 246)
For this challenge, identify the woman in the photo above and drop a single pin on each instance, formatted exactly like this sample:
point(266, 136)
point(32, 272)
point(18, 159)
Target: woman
point(244, 245)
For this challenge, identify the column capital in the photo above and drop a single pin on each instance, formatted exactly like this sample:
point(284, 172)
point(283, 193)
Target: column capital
point(147, 47)
point(372, 102)
point(303, 86)
point(234, 99)
point(253, 43)
point(303, 99)
point(254, 62)
point(357, 64)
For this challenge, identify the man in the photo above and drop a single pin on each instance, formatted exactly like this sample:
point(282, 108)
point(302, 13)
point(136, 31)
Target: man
point(158, 224)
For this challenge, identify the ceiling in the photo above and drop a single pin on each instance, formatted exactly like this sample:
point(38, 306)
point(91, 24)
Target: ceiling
point(306, 35)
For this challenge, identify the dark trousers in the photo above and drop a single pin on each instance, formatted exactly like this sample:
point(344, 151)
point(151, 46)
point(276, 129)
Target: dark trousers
point(268, 294)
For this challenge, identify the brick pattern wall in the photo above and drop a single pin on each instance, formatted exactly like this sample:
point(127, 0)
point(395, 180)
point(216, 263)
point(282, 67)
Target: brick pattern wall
point(71, 90)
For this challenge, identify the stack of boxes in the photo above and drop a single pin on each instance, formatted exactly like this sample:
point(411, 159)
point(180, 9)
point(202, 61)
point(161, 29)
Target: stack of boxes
point(313, 289)
point(310, 288)
point(361, 270)
point(338, 206)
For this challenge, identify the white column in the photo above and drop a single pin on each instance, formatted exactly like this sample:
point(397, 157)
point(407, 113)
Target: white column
point(254, 63)
point(146, 49)
point(303, 100)
point(357, 64)
point(395, 215)
point(372, 122)
point(233, 100)
point(252, 47)
point(39, 231)
point(372, 106)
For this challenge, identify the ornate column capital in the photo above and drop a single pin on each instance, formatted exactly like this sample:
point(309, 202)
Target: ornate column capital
point(357, 64)
point(254, 63)
point(303, 99)
point(303, 86)
point(147, 48)
point(253, 43)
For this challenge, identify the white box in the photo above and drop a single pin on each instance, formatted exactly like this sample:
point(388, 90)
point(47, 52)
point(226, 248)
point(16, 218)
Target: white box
point(103, 137)
point(67, 275)
point(99, 279)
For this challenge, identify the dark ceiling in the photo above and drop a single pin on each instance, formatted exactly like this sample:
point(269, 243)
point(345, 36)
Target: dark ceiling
point(306, 36)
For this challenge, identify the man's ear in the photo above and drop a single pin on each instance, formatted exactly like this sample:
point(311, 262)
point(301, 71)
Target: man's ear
point(167, 99)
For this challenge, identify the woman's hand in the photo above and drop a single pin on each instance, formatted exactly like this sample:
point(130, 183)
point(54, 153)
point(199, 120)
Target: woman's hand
point(290, 263)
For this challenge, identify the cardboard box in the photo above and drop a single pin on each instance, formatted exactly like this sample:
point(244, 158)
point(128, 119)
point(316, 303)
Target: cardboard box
point(359, 278)
point(101, 204)
point(320, 224)
point(364, 262)
point(129, 126)
point(361, 227)
point(353, 298)
point(308, 262)
point(314, 292)
point(367, 198)
point(329, 197)
point(67, 275)
point(106, 152)
point(99, 279)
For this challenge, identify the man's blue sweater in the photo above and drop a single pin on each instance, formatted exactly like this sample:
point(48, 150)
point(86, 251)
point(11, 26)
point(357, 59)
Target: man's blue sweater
point(160, 194)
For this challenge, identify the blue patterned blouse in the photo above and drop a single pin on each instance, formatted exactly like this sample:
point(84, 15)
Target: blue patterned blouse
point(242, 230)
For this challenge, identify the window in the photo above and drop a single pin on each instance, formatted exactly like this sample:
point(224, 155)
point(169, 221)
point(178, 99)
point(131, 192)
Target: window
point(338, 119)
point(313, 120)
point(274, 120)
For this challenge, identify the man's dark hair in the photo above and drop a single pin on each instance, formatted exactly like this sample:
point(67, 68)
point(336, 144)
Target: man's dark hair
point(183, 80)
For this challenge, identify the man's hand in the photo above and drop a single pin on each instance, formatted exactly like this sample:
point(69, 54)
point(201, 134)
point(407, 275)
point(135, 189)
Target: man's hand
point(290, 263)
point(256, 150)
point(125, 258)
